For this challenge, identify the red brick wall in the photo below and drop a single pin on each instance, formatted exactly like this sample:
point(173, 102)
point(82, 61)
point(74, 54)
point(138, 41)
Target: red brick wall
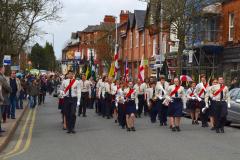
point(231, 7)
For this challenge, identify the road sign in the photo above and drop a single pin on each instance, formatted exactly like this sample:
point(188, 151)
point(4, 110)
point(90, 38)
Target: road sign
point(7, 60)
point(15, 68)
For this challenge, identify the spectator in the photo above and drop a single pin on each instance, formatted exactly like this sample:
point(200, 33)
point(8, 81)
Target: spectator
point(16, 88)
point(6, 89)
point(33, 92)
point(234, 84)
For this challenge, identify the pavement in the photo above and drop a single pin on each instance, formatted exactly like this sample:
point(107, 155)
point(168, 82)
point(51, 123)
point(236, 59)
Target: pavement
point(102, 139)
point(10, 126)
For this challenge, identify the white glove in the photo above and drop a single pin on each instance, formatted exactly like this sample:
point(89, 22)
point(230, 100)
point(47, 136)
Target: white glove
point(160, 97)
point(193, 98)
point(78, 103)
point(204, 109)
point(199, 99)
point(137, 106)
point(116, 104)
point(27, 96)
point(229, 105)
point(184, 106)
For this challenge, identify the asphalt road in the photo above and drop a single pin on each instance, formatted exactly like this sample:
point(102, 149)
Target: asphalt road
point(101, 139)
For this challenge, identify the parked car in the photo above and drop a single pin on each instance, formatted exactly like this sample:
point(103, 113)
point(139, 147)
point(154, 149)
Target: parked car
point(234, 111)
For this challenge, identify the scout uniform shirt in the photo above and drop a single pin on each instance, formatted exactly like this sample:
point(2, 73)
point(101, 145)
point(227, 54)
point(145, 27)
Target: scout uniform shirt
point(85, 86)
point(74, 91)
point(179, 94)
point(140, 89)
point(190, 94)
point(219, 93)
point(120, 96)
point(161, 90)
point(133, 96)
point(201, 90)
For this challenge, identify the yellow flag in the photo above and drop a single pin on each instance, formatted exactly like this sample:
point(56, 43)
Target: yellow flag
point(87, 72)
point(111, 71)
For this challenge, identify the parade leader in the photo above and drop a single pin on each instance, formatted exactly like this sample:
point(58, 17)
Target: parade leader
point(71, 91)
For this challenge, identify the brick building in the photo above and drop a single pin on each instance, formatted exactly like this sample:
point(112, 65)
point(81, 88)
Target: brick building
point(231, 39)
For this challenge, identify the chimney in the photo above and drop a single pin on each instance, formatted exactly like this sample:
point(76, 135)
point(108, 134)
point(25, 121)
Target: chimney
point(124, 16)
point(109, 19)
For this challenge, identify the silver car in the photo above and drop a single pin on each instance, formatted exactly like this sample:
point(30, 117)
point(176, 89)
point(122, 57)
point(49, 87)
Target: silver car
point(234, 111)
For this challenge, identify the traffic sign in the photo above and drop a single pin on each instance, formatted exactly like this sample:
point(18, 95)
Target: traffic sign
point(7, 60)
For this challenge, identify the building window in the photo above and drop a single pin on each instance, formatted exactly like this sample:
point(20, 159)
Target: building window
point(231, 26)
point(131, 39)
point(137, 38)
point(143, 38)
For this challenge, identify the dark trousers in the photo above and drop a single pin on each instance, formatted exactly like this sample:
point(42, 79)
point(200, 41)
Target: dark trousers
point(154, 111)
point(163, 112)
point(146, 110)
point(84, 103)
point(140, 104)
point(12, 109)
point(121, 114)
point(4, 112)
point(103, 107)
point(203, 116)
point(41, 98)
point(70, 105)
point(108, 105)
point(220, 112)
point(98, 106)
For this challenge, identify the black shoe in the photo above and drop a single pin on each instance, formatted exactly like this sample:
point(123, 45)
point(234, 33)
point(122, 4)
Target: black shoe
point(133, 129)
point(161, 124)
point(222, 130)
point(73, 132)
point(174, 129)
point(64, 129)
point(123, 127)
point(213, 129)
point(217, 131)
point(69, 132)
point(84, 115)
point(13, 118)
point(170, 126)
point(108, 117)
point(196, 122)
point(128, 129)
point(178, 129)
point(116, 121)
point(193, 122)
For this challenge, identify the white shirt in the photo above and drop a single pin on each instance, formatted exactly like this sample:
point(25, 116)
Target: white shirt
point(199, 88)
point(75, 89)
point(120, 96)
point(85, 86)
point(161, 89)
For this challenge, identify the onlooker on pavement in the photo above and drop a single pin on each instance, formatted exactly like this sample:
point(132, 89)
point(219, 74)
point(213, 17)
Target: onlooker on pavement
point(234, 84)
point(33, 92)
point(6, 89)
point(16, 88)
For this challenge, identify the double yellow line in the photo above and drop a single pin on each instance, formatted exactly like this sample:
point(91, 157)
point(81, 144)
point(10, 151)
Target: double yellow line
point(17, 150)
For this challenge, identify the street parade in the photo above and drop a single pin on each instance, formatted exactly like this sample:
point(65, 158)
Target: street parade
point(165, 103)
point(119, 79)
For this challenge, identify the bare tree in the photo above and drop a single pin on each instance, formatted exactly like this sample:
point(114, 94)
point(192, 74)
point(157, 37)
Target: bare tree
point(20, 20)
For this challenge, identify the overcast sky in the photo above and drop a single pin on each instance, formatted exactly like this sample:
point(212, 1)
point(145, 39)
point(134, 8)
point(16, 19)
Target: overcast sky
point(78, 14)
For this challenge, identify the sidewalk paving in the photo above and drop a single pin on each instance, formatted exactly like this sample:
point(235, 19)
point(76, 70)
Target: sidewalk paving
point(10, 127)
